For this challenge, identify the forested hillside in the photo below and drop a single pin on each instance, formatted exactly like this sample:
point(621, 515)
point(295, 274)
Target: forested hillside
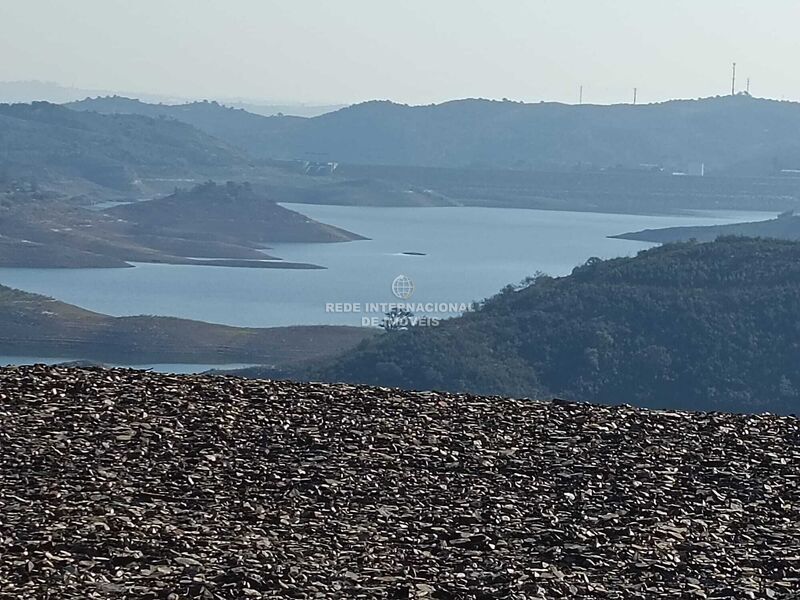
point(701, 326)
point(45, 141)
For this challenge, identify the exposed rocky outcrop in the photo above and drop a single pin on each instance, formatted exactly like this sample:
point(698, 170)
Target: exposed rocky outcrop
point(123, 484)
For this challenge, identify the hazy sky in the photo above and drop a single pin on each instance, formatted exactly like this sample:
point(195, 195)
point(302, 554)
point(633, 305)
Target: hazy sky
point(414, 51)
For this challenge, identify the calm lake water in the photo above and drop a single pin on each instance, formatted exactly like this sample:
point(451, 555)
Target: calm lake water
point(470, 253)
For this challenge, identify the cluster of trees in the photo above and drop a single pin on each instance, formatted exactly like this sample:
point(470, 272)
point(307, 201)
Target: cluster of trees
point(712, 326)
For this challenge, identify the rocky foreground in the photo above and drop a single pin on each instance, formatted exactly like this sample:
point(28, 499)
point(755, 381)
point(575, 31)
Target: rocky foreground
point(123, 484)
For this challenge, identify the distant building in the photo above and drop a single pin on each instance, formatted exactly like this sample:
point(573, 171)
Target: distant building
point(314, 168)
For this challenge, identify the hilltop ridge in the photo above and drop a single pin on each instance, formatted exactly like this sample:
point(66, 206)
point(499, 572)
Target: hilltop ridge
point(738, 135)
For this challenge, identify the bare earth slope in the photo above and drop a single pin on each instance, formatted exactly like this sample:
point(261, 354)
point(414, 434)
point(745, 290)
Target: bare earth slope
point(33, 325)
point(215, 225)
point(122, 484)
point(785, 227)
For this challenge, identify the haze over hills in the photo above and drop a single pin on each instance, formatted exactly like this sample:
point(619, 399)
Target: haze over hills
point(230, 139)
point(699, 326)
point(25, 92)
point(123, 155)
point(13, 92)
point(729, 135)
point(244, 130)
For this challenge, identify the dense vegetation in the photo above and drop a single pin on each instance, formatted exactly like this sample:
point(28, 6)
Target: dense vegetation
point(238, 127)
point(731, 135)
point(46, 141)
point(702, 326)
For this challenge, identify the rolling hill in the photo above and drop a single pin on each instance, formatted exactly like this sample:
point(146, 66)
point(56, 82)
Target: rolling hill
point(247, 131)
point(14, 92)
point(47, 142)
point(217, 225)
point(730, 135)
point(230, 213)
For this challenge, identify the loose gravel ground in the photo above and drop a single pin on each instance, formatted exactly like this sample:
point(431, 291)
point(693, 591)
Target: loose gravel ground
point(124, 484)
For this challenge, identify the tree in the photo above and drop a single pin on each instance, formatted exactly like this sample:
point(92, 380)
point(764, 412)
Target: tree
point(398, 319)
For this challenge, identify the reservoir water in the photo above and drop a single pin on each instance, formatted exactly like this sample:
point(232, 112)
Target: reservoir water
point(458, 255)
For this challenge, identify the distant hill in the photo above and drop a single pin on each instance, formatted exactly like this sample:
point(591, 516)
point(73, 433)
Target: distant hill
point(33, 325)
point(785, 227)
point(13, 92)
point(230, 213)
point(731, 135)
point(46, 141)
point(248, 131)
point(700, 326)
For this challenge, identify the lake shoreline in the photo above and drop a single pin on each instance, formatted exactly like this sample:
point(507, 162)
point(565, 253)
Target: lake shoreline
point(484, 250)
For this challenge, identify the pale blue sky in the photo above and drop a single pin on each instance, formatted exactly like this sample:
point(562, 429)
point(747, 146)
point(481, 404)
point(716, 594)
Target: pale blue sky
point(414, 51)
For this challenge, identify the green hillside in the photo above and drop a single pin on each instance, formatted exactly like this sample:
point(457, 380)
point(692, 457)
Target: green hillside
point(700, 326)
point(45, 141)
